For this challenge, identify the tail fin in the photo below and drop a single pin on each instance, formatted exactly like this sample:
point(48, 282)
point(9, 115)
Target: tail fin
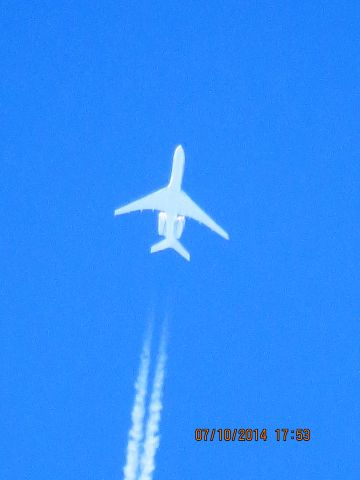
point(175, 244)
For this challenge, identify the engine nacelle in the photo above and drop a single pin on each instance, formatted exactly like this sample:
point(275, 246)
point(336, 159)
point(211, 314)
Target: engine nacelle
point(162, 223)
point(179, 226)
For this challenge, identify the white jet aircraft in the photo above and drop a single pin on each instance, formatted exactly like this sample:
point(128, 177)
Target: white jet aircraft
point(173, 205)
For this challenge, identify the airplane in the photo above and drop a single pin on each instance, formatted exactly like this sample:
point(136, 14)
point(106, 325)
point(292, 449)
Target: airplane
point(173, 205)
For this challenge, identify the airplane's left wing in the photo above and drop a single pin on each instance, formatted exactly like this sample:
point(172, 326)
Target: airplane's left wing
point(154, 201)
point(188, 208)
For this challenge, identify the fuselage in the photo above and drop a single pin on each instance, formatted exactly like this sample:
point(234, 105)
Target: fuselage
point(177, 171)
point(170, 224)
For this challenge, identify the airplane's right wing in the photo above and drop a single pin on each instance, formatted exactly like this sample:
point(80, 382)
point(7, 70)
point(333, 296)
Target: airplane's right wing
point(188, 208)
point(154, 201)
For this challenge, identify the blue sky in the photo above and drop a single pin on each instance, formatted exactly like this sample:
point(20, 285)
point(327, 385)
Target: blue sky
point(264, 329)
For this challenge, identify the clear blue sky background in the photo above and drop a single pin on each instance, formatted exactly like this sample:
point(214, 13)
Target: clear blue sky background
point(264, 329)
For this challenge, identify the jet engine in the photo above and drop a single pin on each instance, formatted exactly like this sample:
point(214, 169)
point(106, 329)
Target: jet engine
point(162, 223)
point(179, 226)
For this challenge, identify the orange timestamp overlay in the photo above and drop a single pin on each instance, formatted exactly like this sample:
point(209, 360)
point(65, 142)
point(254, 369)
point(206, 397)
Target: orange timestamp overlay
point(252, 434)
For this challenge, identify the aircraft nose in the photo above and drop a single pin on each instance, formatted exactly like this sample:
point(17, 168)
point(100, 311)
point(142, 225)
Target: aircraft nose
point(179, 153)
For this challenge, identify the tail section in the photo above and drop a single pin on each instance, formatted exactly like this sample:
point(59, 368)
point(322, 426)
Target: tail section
point(174, 244)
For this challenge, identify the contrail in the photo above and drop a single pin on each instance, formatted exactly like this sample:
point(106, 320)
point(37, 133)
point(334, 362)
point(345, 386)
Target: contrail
point(152, 438)
point(136, 432)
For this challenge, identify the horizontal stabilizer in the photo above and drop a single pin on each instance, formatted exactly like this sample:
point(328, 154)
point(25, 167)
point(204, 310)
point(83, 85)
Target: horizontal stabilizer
point(174, 244)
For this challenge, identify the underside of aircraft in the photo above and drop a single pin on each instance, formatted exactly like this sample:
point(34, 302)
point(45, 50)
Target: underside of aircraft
point(173, 205)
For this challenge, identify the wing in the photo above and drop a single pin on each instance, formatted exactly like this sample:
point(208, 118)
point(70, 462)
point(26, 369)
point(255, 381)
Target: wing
point(154, 201)
point(188, 208)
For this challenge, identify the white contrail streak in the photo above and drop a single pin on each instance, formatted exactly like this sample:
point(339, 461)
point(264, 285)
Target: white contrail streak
point(136, 432)
point(152, 438)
